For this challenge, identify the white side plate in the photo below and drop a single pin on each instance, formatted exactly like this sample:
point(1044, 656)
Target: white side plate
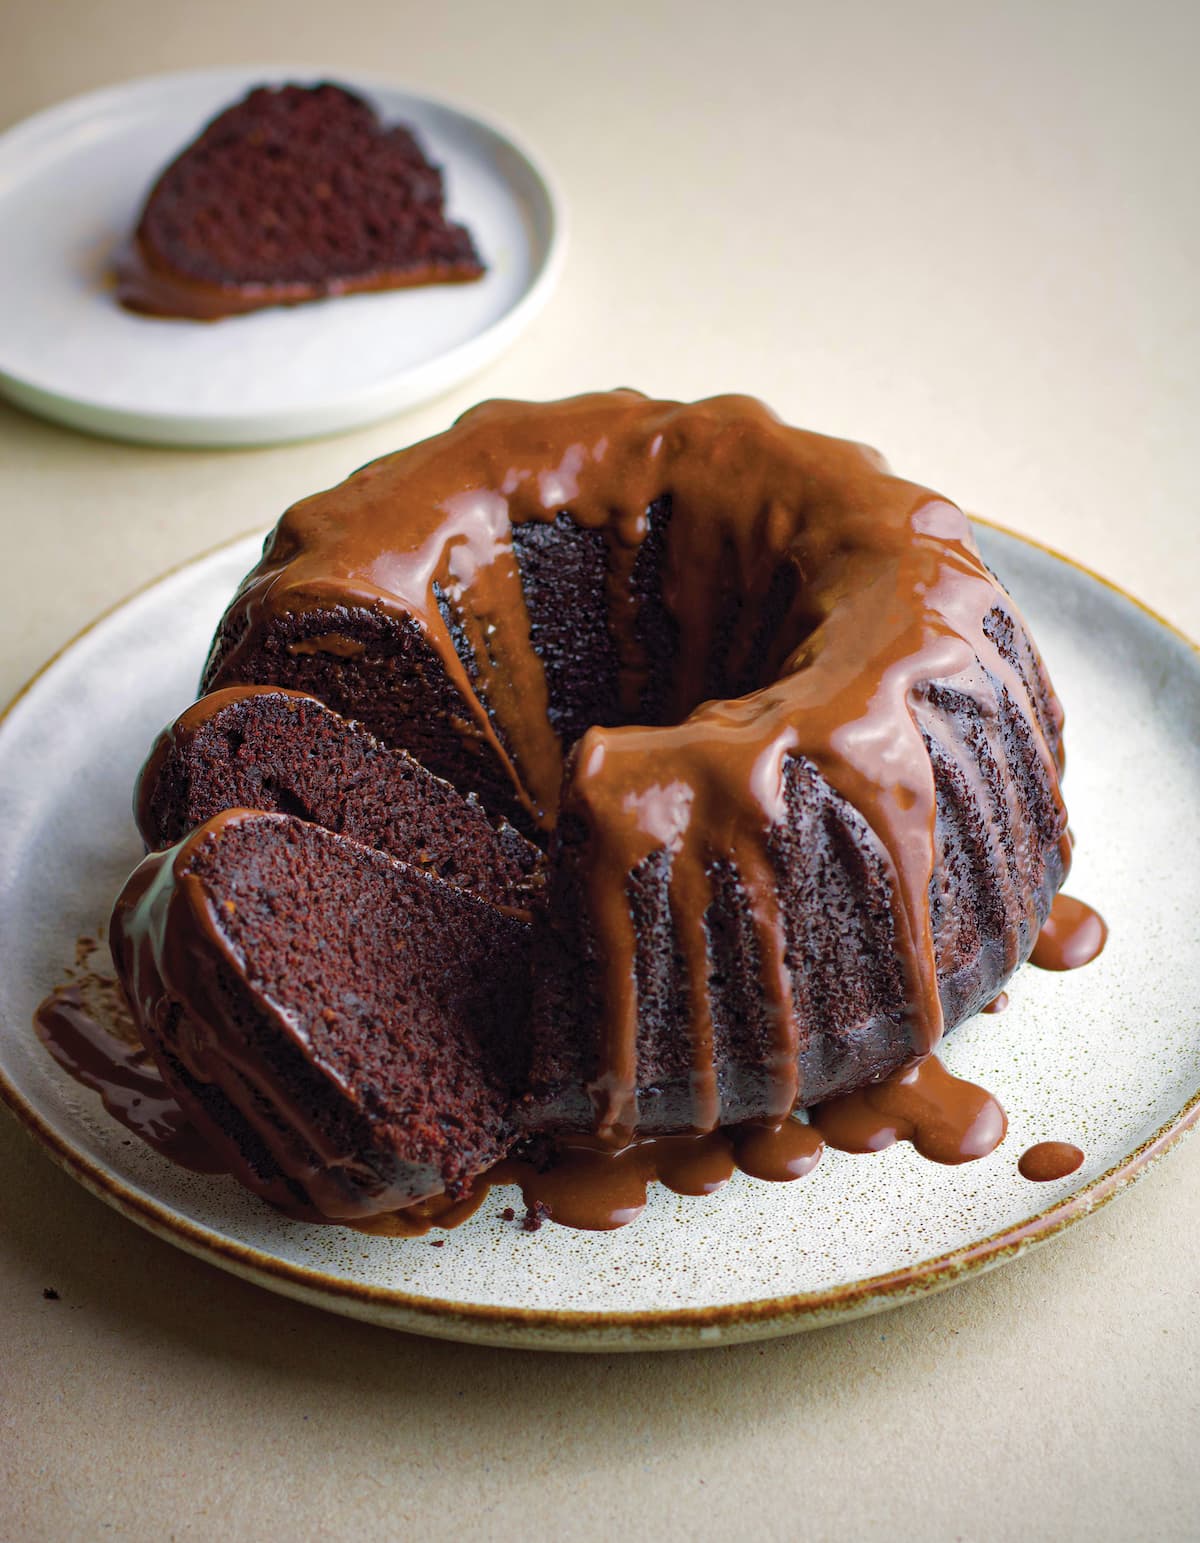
point(72, 180)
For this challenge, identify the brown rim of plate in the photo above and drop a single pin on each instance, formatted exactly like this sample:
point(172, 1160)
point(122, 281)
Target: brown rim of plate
point(426, 1314)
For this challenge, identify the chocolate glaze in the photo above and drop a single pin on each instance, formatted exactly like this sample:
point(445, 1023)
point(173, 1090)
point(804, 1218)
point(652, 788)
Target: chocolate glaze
point(946, 1119)
point(998, 1004)
point(1049, 1160)
point(1071, 936)
point(591, 1185)
point(597, 1189)
point(414, 1221)
point(330, 643)
point(87, 1028)
point(778, 1152)
point(892, 596)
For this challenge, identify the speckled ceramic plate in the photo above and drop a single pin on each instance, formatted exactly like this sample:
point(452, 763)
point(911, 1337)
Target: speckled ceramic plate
point(72, 180)
point(1107, 1057)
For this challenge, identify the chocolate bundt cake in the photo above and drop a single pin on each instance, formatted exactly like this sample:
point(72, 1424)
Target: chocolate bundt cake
point(345, 1030)
point(293, 194)
point(790, 750)
point(261, 747)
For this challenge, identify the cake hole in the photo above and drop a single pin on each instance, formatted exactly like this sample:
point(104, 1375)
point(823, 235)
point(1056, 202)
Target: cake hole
point(285, 800)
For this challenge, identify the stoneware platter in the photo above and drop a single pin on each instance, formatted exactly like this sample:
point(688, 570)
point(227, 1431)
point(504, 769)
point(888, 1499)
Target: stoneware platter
point(72, 180)
point(1107, 1057)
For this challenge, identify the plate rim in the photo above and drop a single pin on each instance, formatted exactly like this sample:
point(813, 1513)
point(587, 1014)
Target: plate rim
point(584, 1328)
point(397, 393)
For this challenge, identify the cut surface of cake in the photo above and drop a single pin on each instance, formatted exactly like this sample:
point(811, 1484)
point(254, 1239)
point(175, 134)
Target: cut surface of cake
point(790, 751)
point(346, 1031)
point(294, 194)
point(261, 747)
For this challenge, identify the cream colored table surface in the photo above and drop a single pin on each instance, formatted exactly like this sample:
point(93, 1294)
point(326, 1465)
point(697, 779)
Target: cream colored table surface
point(968, 234)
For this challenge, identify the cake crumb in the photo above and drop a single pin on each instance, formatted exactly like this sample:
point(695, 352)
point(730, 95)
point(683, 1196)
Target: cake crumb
point(535, 1215)
point(437, 1242)
point(508, 1214)
point(50, 1294)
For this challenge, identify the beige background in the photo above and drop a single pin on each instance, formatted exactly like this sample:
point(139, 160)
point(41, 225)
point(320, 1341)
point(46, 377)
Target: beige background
point(966, 233)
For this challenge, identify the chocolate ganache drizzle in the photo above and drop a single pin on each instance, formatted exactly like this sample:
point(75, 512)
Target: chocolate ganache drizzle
point(887, 596)
point(87, 1027)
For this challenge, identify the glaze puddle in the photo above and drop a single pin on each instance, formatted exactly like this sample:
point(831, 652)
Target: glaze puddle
point(1073, 935)
point(946, 1119)
point(88, 1029)
point(586, 1186)
point(1049, 1160)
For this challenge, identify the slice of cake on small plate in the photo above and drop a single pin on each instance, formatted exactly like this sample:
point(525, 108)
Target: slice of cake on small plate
point(296, 193)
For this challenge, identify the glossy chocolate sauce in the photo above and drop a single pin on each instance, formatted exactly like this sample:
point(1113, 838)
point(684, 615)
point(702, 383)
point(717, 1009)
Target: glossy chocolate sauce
point(596, 1188)
point(414, 1221)
point(1072, 935)
point(87, 1027)
point(946, 1119)
point(998, 1004)
point(1049, 1160)
point(891, 594)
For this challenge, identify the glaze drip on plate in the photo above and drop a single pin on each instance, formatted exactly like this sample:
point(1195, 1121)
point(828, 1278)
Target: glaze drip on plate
point(1049, 1160)
point(87, 1027)
point(1073, 935)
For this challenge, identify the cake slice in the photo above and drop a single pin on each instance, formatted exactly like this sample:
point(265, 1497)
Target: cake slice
point(347, 1031)
point(263, 747)
point(293, 194)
